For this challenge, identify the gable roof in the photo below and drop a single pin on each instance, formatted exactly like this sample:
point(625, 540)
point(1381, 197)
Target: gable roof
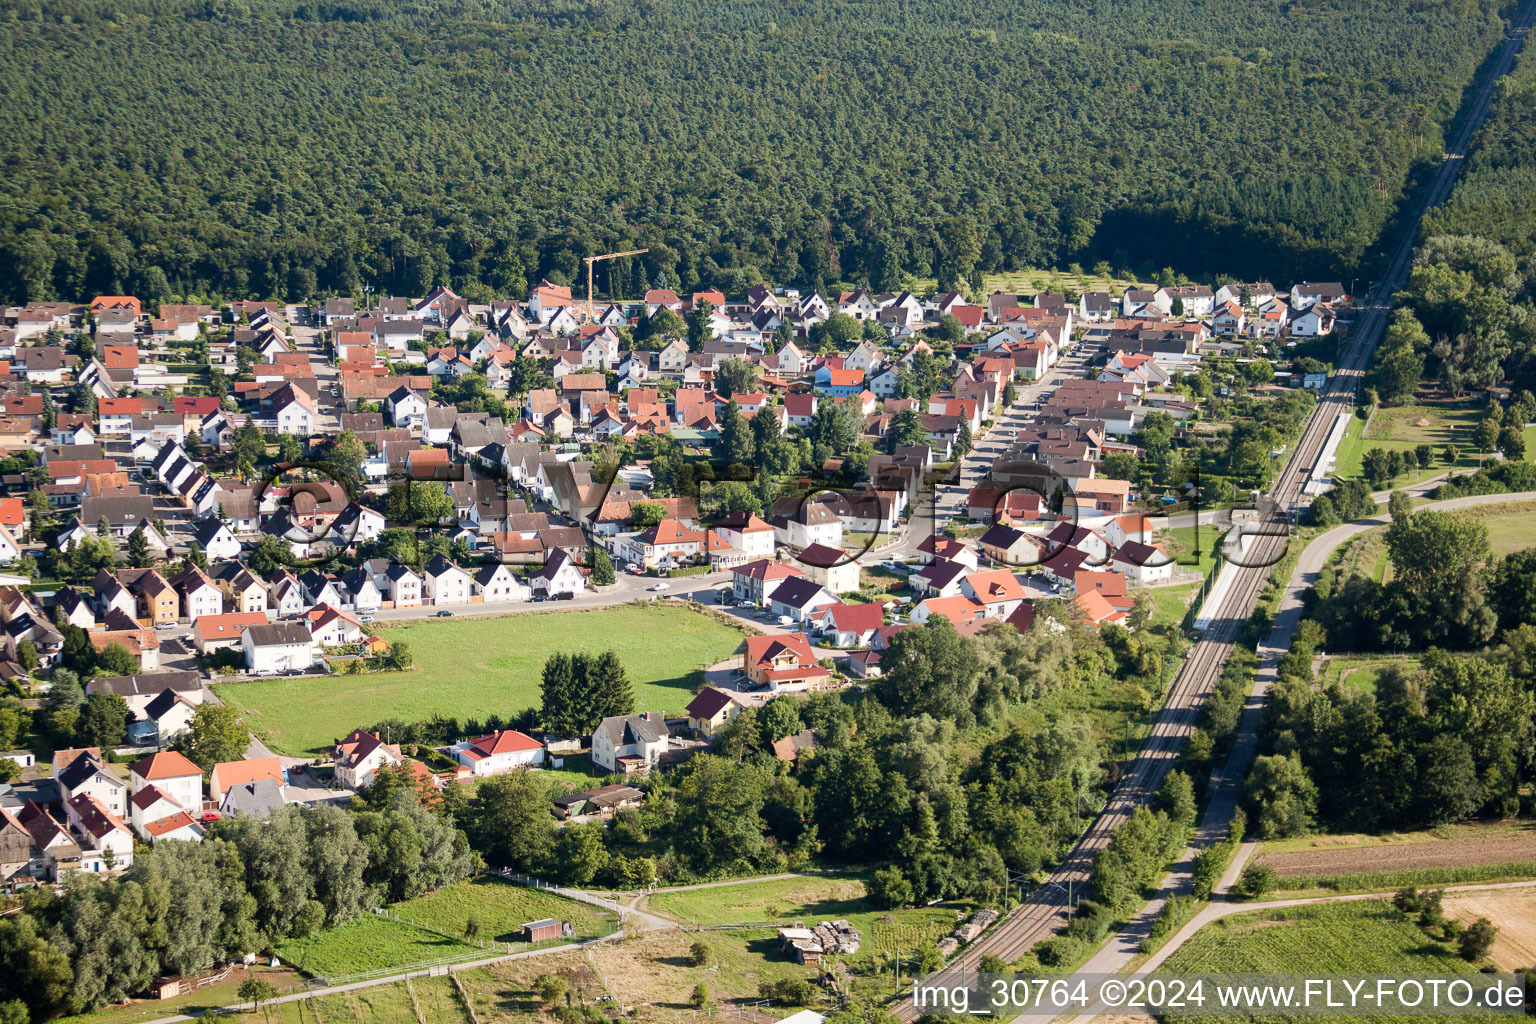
point(709, 703)
point(167, 764)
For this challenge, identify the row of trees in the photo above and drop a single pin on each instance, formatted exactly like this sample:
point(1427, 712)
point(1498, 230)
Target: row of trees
point(580, 690)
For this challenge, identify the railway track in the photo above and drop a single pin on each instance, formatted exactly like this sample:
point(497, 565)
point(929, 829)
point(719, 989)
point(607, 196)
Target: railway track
point(1046, 909)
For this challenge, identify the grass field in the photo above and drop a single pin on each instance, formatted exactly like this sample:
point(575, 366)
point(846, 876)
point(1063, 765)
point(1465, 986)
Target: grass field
point(1511, 531)
point(502, 909)
point(1399, 428)
point(1029, 281)
point(808, 900)
point(369, 943)
point(1181, 542)
point(1365, 937)
point(372, 942)
point(1359, 675)
point(476, 667)
point(748, 952)
point(1170, 603)
point(220, 993)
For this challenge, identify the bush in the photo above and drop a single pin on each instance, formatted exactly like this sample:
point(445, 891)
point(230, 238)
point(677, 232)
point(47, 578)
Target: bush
point(889, 889)
point(1062, 951)
point(1175, 912)
point(700, 953)
point(699, 997)
point(1208, 867)
point(1256, 880)
point(793, 991)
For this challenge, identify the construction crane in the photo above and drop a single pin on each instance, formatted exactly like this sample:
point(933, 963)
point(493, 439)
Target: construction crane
point(596, 259)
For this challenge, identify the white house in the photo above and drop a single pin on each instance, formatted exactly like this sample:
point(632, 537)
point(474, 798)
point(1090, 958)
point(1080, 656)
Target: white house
point(277, 647)
point(80, 772)
point(173, 774)
point(360, 756)
point(559, 575)
point(446, 583)
point(216, 539)
point(499, 753)
point(629, 743)
point(404, 586)
point(1142, 563)
point(151, 804)
point(497, 583)
point(811, 522)
point(746, 533)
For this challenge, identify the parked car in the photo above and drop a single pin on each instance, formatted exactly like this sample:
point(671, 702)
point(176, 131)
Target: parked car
point(565, 595)
point(365, 618)
point(541, 597)
point(445, 614)
point(785, 620)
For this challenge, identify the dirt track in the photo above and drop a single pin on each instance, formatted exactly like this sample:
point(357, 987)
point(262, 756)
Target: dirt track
point(1439, 853)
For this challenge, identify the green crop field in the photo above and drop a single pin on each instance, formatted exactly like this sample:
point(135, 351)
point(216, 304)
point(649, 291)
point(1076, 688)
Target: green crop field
point(1365, 937)
point(476, 667)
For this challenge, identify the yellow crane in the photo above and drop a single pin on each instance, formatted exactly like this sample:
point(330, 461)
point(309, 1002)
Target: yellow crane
point(597, 259)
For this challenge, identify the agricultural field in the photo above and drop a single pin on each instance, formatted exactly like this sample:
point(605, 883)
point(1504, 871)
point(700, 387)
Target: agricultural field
point(1448, 855)
point(476, 667)
point(393, 1002)
point(1512, 911)
point(1359, 937)
point(428, 928)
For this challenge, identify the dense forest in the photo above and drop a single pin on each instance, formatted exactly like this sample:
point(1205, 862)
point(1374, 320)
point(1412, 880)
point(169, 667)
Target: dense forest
point(292, 147)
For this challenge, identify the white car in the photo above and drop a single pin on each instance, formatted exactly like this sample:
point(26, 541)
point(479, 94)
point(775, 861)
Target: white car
point(660, 586)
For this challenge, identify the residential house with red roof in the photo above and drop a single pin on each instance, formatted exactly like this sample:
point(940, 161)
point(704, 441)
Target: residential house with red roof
point(782, 662)
point(499, 753)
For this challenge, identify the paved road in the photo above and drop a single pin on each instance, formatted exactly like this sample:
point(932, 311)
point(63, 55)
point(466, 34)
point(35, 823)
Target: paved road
point(1045, 910)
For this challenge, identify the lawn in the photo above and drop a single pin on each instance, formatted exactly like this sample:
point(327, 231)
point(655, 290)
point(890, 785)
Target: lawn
point(428, 925)
point(1183, 541)
point(476, 667)
point(1365, 937)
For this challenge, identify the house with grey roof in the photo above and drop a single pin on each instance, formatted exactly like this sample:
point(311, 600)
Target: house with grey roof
point(631, 744)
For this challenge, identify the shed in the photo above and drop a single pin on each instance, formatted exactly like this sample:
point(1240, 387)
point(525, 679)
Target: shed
point(547, 928)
